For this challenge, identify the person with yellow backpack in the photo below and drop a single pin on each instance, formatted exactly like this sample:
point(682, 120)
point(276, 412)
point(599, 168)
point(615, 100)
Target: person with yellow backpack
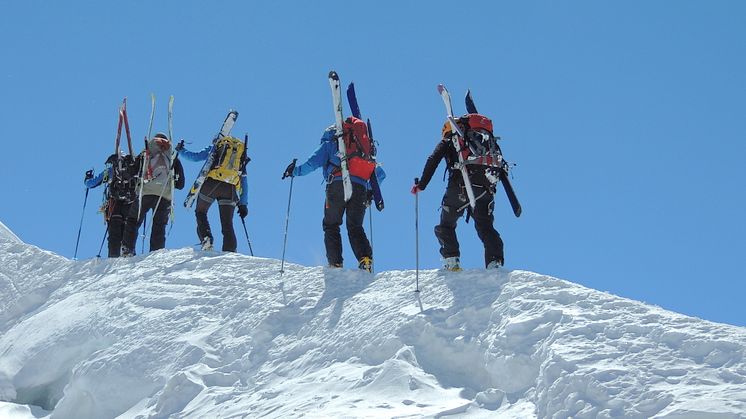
point(226, 183)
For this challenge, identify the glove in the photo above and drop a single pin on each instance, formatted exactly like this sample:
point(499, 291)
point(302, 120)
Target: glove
point(89, 174)
point(289, 170)
point(415, 189)
point(243, 211)
point(180, 146)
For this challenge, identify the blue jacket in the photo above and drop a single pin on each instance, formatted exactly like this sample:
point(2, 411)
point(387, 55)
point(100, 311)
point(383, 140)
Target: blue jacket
point(326, 156)
point(99, 179)
point(202, 156)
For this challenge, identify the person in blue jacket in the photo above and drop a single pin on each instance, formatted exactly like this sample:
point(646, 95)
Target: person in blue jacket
point(226, 183)
point(119, 177)
point(326, 156)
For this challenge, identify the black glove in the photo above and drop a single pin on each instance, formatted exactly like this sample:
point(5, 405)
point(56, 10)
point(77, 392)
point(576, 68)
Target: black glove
point(243, 211)
point(289, 170)
point(89, 174)
point(180, 146)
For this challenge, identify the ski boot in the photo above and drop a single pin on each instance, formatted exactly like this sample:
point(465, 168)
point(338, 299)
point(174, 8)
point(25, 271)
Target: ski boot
point(452, 264)
point(495, 264)
point(126, 252)
point(207, 243)
point(366, 264)
point(335, 266)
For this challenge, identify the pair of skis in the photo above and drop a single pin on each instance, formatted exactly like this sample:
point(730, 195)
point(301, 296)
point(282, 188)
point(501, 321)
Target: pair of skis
point(117, 167)
point(144, 171)
point(355, 108)
point(123, 120)
point(455, 129)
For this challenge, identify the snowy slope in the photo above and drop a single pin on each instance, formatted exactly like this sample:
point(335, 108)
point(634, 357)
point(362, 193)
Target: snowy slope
point(180, 333)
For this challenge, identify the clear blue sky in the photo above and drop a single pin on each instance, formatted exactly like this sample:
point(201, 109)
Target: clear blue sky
point(627, 122)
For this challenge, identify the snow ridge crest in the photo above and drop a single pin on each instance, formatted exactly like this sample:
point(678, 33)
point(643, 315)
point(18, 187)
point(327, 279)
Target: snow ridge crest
point(208, 334)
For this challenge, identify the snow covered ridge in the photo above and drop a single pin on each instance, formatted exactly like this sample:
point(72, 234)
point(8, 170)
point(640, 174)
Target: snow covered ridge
point(181, 333)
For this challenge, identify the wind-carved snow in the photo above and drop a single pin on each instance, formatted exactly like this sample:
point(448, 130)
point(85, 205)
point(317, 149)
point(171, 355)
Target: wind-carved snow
point(182, 333)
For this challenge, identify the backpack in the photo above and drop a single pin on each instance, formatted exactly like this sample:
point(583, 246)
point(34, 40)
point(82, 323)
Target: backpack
point(159, 166)
point(121, 185)
point(479, 146)
point(361, 151)
point(228, 160)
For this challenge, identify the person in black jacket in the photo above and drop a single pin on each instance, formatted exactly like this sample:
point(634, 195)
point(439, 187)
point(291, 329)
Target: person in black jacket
point(156, 193)
point(119, 179)
point(456, 201)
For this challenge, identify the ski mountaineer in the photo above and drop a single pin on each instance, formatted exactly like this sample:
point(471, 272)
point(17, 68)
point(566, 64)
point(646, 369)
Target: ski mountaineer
point(119, 177)
point(155, 182)
point(226, 182)
point(455, 202)
point(327, 156)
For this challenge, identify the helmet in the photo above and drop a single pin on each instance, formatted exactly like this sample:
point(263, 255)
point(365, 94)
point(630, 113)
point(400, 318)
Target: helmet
point(113, 158)
point(446, 131)
point(162, 141)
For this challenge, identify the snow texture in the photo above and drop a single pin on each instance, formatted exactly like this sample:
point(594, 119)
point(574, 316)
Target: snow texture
point(183, 333)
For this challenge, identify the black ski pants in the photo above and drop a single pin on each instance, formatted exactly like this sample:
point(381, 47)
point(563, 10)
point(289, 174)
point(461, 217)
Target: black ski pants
point(227, 198)
point(334, 209)
point(455, 202)
point(158, 229)
point(115, 226)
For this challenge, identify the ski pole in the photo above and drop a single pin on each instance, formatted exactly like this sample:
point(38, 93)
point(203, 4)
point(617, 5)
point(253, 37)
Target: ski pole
point(417, 237)
point(287, 222)
point(144, 231)
point(100, 248)
point(370, 221)
point(251, 251)
point(80, 228)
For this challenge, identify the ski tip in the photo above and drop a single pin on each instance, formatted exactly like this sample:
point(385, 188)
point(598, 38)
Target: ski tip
point(333, 75)
point(442, 88)
point(351, 86)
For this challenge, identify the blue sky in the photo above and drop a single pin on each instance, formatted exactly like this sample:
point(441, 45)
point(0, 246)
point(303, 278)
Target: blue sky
point(626, 122)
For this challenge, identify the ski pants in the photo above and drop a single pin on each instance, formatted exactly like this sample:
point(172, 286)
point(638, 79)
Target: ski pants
point(334, 209)
point(455, 202)
point(158, 229)
point(115, 226)
point(226, 195)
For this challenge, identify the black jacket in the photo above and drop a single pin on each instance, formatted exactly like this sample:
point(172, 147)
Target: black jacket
point(445, 149)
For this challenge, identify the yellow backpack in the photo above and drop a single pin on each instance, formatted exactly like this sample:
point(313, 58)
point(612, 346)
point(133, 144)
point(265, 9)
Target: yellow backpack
point(226, 166)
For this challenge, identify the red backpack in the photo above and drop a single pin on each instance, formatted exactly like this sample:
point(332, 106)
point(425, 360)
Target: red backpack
point(361, 152)
point(479, 147)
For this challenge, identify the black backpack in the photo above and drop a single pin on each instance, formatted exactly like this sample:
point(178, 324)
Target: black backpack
point(121, 185)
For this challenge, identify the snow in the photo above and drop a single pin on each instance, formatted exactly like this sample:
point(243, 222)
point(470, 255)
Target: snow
point(183, 333)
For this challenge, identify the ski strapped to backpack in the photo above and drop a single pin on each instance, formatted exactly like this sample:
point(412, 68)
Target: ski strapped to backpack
point(476, 145)
point(146, 155)
point(117, 175)
point(374, 184)
point(170, 163)
point(455, 134)
point(225, 131)
point(480, 125)
point(338, 124)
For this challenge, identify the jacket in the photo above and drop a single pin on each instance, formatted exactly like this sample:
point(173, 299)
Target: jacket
point(158, 185)
point(445, 150)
